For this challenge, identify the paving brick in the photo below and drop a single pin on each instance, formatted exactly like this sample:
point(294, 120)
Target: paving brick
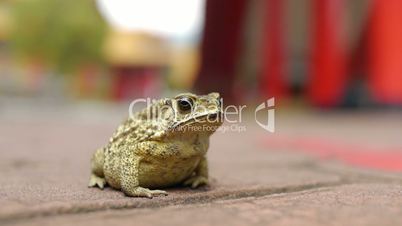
point(44, 168)
point(357, 204)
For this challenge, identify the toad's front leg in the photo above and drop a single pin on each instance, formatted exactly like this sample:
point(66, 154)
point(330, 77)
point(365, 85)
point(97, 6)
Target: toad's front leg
point(129, 178)
point(201, 175)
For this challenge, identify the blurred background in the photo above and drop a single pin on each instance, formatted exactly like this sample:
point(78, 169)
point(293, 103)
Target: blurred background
point(69, 68)
point(319, 53)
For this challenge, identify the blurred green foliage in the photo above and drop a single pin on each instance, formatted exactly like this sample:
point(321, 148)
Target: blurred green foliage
point(63, 34)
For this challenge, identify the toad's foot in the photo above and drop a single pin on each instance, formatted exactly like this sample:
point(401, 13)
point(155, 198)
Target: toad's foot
point(196, 181)
point(145, 192)
point(96, 181)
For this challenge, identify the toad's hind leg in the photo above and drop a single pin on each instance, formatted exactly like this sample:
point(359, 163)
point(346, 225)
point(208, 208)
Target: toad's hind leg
point(97, 176)
point(129, 178)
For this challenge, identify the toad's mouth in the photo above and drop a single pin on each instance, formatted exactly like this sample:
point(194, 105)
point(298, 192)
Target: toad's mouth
point(215, 118)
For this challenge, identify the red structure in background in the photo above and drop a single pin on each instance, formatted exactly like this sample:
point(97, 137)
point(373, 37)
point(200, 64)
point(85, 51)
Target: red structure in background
point(385, 51)
point(328, 63)
point(220, 47)
point(273, 73)
point(330, 72)
point(130, 82)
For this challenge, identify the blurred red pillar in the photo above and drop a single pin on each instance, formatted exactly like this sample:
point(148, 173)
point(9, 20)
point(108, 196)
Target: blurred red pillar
point(328, 63)
point(385, 51)
point(273, 81)
point(220, 47)
point(133, 82)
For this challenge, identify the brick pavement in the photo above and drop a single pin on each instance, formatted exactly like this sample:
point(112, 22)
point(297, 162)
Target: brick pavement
point(44, 167)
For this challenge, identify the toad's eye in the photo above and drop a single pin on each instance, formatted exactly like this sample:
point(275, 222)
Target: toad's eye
point(185, 104)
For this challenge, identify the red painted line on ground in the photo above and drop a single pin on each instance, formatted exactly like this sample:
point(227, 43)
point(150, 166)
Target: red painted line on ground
point(388, 158)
